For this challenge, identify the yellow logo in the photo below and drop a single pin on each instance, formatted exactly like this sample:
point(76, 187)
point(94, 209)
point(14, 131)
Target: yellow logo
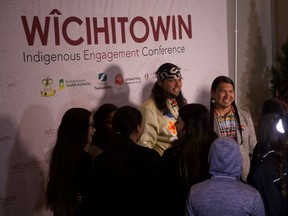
point(47, 91)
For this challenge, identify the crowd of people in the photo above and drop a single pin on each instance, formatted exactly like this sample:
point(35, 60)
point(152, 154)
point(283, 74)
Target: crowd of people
point(170, 157)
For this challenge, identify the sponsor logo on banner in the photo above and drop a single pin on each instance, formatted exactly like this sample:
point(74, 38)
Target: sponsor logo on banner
point(133, 80)
point(47, 90)
point(119, 80)
point(148, 76)
point(77, 83)
point(102, 77)
point(102, 82)
point(61, 84)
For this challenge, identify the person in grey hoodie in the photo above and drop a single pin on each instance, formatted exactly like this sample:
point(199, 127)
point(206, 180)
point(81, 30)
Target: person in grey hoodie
point(224, 193)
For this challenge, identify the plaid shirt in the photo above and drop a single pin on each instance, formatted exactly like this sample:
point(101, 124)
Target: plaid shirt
point(227, 124)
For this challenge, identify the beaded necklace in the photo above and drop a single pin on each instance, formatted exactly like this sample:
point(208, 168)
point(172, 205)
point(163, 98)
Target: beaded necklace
point(173, 109)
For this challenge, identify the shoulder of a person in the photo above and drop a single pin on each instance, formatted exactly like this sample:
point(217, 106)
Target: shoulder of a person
point(147, 152)
point(245, 115)
point(85, 156)
point(265, 167)
point(171, 156)
point(201, 185)
point(248, 188)
point(243, 112)
point(148, 106)
point(172, 151)
point(144, 149)
point(148, 103)
point(85, 162)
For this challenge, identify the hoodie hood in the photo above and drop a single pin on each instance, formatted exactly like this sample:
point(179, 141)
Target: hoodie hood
point(225, 158)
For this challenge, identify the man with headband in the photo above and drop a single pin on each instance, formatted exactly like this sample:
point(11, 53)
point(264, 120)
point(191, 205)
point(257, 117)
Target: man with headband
point(160, 110)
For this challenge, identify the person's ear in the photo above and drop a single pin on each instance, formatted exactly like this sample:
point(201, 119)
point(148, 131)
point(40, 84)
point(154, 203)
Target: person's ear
point(160, 82)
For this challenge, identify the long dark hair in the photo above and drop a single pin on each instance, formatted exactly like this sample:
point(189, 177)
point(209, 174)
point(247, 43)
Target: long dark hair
point(195, 143)
point(72, 137)
point(271, 139)
point(214, 86)
point(273, 106)
point(125, 121)
point(158, 94)
point(102, 132)
point(269, 106)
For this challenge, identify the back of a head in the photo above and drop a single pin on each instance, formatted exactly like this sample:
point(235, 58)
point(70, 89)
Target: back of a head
point(273, 106)
point(269, 136)
point(75, 116)
point(195, 143)
point(74, 128)
point(225, 158)
point(196, 118)
point(101, 115)
point(71, 139)
point(272, 111)
point(125, 120)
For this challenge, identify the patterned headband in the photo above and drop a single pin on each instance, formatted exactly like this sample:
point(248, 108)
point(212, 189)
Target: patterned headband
point(172, 73)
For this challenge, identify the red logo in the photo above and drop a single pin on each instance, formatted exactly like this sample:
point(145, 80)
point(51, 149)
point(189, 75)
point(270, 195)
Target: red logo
point(119, 79)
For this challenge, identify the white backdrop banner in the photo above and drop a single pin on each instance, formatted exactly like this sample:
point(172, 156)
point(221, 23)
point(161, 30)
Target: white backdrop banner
point(57, 54)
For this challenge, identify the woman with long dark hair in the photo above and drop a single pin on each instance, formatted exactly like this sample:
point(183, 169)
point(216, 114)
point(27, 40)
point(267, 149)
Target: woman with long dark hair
point(126, 173)
point(103, 129)
point(186, 163)
point(269, 106)
point(70, 171)
point(270, 175)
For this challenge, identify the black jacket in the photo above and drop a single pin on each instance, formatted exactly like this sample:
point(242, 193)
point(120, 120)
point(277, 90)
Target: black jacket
point(264, 177)
point(127, 181)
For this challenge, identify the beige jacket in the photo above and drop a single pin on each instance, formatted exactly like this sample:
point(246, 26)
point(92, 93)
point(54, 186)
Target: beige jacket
point(249, 140)
point(159, 129)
